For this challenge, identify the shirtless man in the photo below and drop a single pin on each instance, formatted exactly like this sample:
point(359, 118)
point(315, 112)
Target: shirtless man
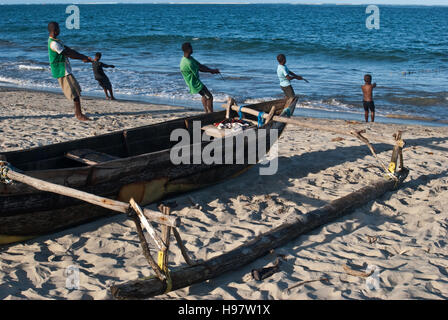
point(367, 91)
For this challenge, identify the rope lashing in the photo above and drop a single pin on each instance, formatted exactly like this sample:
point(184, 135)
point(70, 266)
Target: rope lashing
point(166, 271)
point(4, 173)
point(260, 119)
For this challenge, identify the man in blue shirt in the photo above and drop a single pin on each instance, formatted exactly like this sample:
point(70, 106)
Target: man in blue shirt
point(285, 75)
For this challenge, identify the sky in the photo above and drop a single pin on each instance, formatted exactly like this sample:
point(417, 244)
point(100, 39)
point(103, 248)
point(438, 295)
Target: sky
point(379, 2)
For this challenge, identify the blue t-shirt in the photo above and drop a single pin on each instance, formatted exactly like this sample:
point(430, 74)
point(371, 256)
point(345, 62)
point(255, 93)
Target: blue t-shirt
point(282, 72)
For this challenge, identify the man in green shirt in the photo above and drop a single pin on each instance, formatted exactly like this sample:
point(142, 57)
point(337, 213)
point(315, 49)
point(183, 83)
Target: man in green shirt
point(61, 69)
point(189, 67)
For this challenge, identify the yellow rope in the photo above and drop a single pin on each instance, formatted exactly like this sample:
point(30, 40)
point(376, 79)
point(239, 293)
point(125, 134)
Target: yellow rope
point(169, 282)
point(392, 167)
point(164, 268)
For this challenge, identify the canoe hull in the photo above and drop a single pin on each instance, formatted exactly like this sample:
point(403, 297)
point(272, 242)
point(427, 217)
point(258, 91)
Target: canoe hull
point(26, 213)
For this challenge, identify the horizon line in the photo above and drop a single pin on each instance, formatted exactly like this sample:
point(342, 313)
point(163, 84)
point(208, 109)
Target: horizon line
point(227, 3)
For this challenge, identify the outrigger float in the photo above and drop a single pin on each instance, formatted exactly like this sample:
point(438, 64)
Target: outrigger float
point(53, 187)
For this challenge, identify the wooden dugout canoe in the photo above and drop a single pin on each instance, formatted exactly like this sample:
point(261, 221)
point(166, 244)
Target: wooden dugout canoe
point(130, 163)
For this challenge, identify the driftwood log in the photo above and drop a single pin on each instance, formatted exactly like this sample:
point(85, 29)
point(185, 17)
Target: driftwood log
point(113, 205)
point(293, 227)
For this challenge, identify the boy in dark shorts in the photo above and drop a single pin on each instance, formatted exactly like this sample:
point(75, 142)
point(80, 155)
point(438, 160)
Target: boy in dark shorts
point(285, 75)
point(367, 91)
point(189, 67)
point(101, 77)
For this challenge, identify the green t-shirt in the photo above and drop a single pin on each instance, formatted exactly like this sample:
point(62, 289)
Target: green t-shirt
point(189, 68)
point(60, 66)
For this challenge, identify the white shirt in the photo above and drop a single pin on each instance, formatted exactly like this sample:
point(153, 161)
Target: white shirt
point(282, 72)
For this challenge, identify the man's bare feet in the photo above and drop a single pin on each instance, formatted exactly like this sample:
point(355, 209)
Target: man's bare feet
point(82, 117)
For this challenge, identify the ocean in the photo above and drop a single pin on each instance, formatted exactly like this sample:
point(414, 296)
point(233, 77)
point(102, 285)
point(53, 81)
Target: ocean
point(329, 45)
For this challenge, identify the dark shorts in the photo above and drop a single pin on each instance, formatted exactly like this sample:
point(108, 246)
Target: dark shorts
point(369, 105)
point(104, 83)
point(205, 93)
point(289, 91)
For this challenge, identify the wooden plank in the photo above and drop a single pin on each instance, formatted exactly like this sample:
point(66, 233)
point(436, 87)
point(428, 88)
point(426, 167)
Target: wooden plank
point(146, 251)
point(89, 157)
point(146, 224)
point(213, 131)
point(270, 115)
point(182, 247)
point(166, 233)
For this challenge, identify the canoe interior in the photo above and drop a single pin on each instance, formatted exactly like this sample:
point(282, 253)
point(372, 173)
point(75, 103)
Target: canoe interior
point(120, 144)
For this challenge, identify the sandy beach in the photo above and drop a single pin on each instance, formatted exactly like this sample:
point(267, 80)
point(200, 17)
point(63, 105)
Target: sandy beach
point(402, 234)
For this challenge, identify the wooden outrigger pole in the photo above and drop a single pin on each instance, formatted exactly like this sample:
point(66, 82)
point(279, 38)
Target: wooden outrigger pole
point(292, 228)
point(8, 172)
